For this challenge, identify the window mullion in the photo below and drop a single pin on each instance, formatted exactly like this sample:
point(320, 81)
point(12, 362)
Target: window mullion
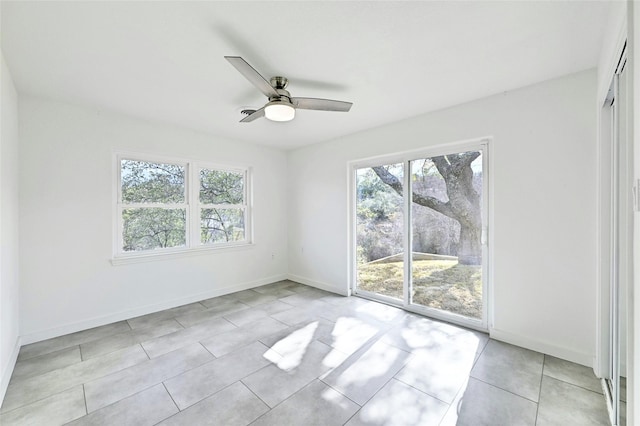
point(171, 206)
point(194, 205)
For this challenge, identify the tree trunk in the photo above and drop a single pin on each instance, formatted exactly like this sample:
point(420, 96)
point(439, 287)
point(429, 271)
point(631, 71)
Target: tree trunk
point(463, 204)
point(470, 251)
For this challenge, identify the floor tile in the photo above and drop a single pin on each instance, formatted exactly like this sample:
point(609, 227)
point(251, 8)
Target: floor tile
point(350, 334)
point(44, 385)
point(58, 409)
point(145, 408)
point(111, 388)
point(302, 299)
point(259, 299)
point(295, 316)
point(320, 328)
point(244, 295)
point(199, 383)
point(291, 286)
point(379, 312)
point(153, 318)
point(412, 333)
point(340, 300)
point(416, 332)
point(274, 307)
point(315, 405)
point(398, 404)
point(218, 300)
point(570, 372)
point(178, 339)
point(481, 404)
point(73, 339)
point(246, 316)
point(563, 404)
point(275, 291)
point(510, 368)
point(304, 361)
point(223, 343)
point(233, 406)
point(367, 371)
point(129, 338)
point(214, 311)
point(45, 363)
point(439, 371)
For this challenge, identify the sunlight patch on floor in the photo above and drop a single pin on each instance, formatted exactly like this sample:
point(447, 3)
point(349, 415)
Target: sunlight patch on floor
point(287, 353)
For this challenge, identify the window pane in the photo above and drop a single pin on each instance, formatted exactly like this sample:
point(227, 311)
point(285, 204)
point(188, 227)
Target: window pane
point(144, 182)
point(221, 187)
point(152, 228)
point(379, 230)
point(221, 225)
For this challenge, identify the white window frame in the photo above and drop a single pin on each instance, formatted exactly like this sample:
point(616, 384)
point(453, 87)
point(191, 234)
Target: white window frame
point(192, 206)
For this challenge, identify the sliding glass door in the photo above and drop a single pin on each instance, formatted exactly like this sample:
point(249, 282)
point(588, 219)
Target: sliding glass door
point(420, 233)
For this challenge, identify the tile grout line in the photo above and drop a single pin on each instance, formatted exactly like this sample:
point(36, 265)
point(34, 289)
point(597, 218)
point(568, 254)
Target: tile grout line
point(426, 393)
point(173, 400)
point(84, 394)
point(572, 384)
point(144, 350)
point(544, 361)
point(251, 390)
point(504, 390)
point(205, 348)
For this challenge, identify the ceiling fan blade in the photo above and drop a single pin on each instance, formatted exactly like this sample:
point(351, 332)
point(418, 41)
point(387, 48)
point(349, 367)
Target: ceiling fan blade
point(321, 104)
point(252, 75)
point(253, 116)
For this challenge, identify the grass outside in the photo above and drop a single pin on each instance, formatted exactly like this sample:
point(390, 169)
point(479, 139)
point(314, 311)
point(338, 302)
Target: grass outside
point(440, 284)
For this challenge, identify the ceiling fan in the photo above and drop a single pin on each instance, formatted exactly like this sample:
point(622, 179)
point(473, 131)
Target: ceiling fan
point(281, 105)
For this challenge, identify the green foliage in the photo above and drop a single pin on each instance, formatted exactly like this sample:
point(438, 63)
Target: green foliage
point(221, 225)
point(380, 207)
point(379, 217)
point(145, 182)
point(152, 228)
point(221, 187)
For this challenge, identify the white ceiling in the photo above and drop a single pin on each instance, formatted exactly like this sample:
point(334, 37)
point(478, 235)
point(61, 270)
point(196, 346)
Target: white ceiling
point(393, 60)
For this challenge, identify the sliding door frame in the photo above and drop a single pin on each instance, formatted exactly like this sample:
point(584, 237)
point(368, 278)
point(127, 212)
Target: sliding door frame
point(406, 157)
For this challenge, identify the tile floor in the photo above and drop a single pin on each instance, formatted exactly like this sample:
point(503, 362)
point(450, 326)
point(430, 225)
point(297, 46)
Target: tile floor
point(288, 354)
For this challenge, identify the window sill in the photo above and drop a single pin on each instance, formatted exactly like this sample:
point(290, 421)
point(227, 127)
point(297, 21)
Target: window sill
point(127, 259)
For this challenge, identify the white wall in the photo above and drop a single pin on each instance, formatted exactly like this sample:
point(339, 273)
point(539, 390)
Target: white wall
point(9, 289)
point(543, 157)
point(66, 201)
point(633, 387)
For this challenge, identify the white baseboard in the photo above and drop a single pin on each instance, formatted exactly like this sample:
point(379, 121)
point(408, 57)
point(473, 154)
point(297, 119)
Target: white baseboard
point(318, 284)
point(143, 310)
point(7, 370)
point(543, 347)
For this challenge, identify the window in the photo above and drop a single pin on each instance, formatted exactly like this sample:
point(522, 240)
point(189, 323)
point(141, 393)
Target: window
point(175, 206)
point(222, 207)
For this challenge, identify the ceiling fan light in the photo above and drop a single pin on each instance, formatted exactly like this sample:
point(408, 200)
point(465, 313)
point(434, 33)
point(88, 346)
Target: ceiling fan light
point(279, 111)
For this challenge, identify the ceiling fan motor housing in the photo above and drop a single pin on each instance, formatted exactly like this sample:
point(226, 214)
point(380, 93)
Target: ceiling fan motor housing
point(279, 82)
